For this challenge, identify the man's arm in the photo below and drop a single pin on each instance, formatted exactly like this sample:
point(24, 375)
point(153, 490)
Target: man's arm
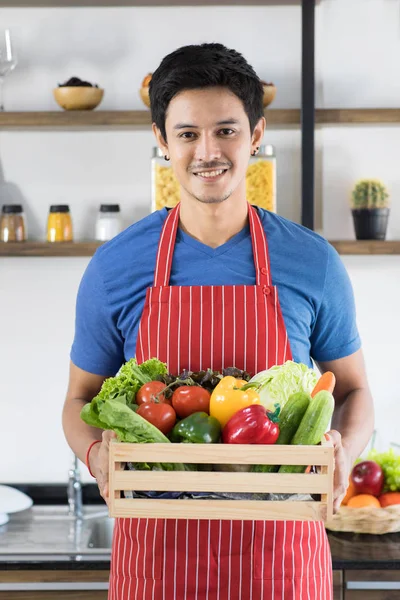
point(353, 418)
point(83, 386)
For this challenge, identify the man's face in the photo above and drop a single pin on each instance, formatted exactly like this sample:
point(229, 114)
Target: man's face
point(209, 143)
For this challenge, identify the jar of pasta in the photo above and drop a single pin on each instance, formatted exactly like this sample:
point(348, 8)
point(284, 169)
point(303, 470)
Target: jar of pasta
point(59, 224)
point(261, 179)
point(164, 185)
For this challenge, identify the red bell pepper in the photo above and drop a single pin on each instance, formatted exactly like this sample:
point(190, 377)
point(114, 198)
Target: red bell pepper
point(251, 425)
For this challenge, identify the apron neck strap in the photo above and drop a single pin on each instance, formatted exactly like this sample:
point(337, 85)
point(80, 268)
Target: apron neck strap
point(166, 247)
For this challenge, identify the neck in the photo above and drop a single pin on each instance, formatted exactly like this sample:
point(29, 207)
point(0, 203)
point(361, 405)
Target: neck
point(213, 224)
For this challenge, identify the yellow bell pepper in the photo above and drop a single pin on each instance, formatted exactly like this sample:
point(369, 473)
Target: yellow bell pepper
point(228, 397)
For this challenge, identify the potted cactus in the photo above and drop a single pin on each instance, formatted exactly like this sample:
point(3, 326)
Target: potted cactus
point(370, 209)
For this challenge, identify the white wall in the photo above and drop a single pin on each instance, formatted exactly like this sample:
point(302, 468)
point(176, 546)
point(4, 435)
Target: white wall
point(116, 48)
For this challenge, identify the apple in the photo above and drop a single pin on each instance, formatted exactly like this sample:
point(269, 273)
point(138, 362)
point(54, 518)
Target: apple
point(367, 478)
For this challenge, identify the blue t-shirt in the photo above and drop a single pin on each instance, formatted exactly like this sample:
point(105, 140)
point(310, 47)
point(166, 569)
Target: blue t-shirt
point(314, 289)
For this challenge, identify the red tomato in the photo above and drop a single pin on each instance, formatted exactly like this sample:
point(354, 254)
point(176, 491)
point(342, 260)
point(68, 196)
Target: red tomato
point(188, 399)
point(160, 415)
point(149, 393)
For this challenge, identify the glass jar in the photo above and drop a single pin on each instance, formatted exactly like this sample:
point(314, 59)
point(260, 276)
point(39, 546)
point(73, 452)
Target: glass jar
point(59, 224)
point(261, 179)
point(12, 223)
point(164, 185)
point(108, 223)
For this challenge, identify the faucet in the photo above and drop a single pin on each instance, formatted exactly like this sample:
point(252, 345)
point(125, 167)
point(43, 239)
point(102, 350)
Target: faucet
point(74, 493)
point(74, 490)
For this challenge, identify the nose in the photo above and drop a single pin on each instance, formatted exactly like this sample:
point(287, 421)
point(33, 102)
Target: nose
point(207, 148)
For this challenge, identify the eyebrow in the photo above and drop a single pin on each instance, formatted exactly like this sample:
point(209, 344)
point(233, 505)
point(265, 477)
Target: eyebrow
point(191, 126)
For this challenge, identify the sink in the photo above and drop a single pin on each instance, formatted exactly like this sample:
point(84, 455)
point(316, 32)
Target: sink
point(101, 533)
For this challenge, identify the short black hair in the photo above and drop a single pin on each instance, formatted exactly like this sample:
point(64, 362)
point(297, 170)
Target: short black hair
point(201, 66)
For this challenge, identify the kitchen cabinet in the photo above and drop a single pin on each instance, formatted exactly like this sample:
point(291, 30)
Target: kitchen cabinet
point(51, 584)
point(80, 584)
point(338, 585)
point(50, 595)
point(372, 585)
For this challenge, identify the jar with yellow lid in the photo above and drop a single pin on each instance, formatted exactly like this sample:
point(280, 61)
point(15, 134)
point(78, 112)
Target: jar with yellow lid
point(59, 224)
point(164, 185)
point(261, 179)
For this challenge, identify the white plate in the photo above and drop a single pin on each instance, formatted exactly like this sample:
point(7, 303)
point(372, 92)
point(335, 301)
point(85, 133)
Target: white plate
point(4, 518)
point(12, 500)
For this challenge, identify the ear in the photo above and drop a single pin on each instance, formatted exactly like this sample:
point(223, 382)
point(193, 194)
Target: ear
point(162, 144)
point(258, 134)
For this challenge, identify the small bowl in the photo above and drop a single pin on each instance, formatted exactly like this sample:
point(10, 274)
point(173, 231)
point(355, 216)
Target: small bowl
point(144, 94)
point(78, 97)
point(269, 94)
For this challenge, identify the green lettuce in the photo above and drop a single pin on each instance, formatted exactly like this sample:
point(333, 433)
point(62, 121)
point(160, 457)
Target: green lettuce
point(130, 379)
point(278, 383)
point(114, 409)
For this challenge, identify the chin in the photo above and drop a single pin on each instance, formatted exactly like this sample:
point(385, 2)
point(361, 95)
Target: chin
point(213, 199)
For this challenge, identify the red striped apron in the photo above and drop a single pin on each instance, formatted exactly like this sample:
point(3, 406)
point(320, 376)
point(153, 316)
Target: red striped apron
point(154, 559)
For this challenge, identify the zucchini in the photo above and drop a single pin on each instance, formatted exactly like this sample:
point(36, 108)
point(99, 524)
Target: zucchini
point(289, 421)
point(313, 426)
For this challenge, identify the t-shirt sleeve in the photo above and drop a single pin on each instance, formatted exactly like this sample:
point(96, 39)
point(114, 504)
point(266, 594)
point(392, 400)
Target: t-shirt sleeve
point(335, 334)
point(98, 346)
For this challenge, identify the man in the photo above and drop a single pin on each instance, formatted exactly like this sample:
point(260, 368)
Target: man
point(214, 283)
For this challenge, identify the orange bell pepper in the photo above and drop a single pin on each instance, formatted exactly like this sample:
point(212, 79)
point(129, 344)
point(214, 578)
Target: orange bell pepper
point(228, 398)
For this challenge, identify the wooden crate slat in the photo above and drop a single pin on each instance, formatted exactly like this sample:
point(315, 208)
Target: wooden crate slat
point(222, 454)
point(219, 509)
point(190, 481)
point(208, 481)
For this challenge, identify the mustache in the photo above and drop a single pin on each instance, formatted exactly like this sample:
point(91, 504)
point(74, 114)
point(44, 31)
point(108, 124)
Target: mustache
point(208, 166)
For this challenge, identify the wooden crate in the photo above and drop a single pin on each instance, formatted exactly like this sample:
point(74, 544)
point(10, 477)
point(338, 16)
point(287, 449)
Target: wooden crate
point(209, 481)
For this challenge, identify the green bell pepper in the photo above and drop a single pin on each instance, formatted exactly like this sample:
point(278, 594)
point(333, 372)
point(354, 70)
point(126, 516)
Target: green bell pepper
point(197, 428)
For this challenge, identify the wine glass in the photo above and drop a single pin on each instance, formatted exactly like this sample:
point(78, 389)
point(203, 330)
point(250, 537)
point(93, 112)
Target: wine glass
point(8, 60)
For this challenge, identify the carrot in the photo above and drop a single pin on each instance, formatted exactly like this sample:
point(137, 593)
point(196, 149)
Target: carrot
point(325, 382)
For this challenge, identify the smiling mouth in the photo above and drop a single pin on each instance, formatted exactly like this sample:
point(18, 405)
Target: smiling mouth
point(211, 175)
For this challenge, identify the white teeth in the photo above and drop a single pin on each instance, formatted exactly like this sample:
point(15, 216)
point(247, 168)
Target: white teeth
point(211, 173)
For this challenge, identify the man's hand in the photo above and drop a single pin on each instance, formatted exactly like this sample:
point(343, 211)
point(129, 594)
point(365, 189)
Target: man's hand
point(342, 468)
point(98, 460)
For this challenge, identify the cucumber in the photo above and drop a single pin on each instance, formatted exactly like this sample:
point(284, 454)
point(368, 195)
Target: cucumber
point(292, 415)
point(312, 427)
point(289, 421)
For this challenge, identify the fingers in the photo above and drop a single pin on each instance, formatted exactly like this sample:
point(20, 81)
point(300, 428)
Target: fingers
point(334, 436)
point(102, 467)
point(107, 436)
point(341, 474)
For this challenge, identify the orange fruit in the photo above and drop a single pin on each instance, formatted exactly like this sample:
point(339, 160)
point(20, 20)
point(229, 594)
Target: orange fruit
point(363, 500)
point(389, 499)
point(350, 493)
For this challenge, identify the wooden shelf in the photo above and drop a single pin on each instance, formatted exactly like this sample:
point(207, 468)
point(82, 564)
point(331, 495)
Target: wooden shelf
point(29, 249)
point(81, 119)
point(108, 118)
point(360, 247)
point(337, 116)
point(121, 3)
point(142, 119)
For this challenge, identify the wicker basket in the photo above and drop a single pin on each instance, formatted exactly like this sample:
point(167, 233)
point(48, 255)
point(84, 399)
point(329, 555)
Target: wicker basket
point(366, 520)
point(207, 481)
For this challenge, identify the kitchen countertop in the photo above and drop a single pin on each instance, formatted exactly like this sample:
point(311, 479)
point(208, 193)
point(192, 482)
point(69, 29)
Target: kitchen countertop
point(46, 537)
